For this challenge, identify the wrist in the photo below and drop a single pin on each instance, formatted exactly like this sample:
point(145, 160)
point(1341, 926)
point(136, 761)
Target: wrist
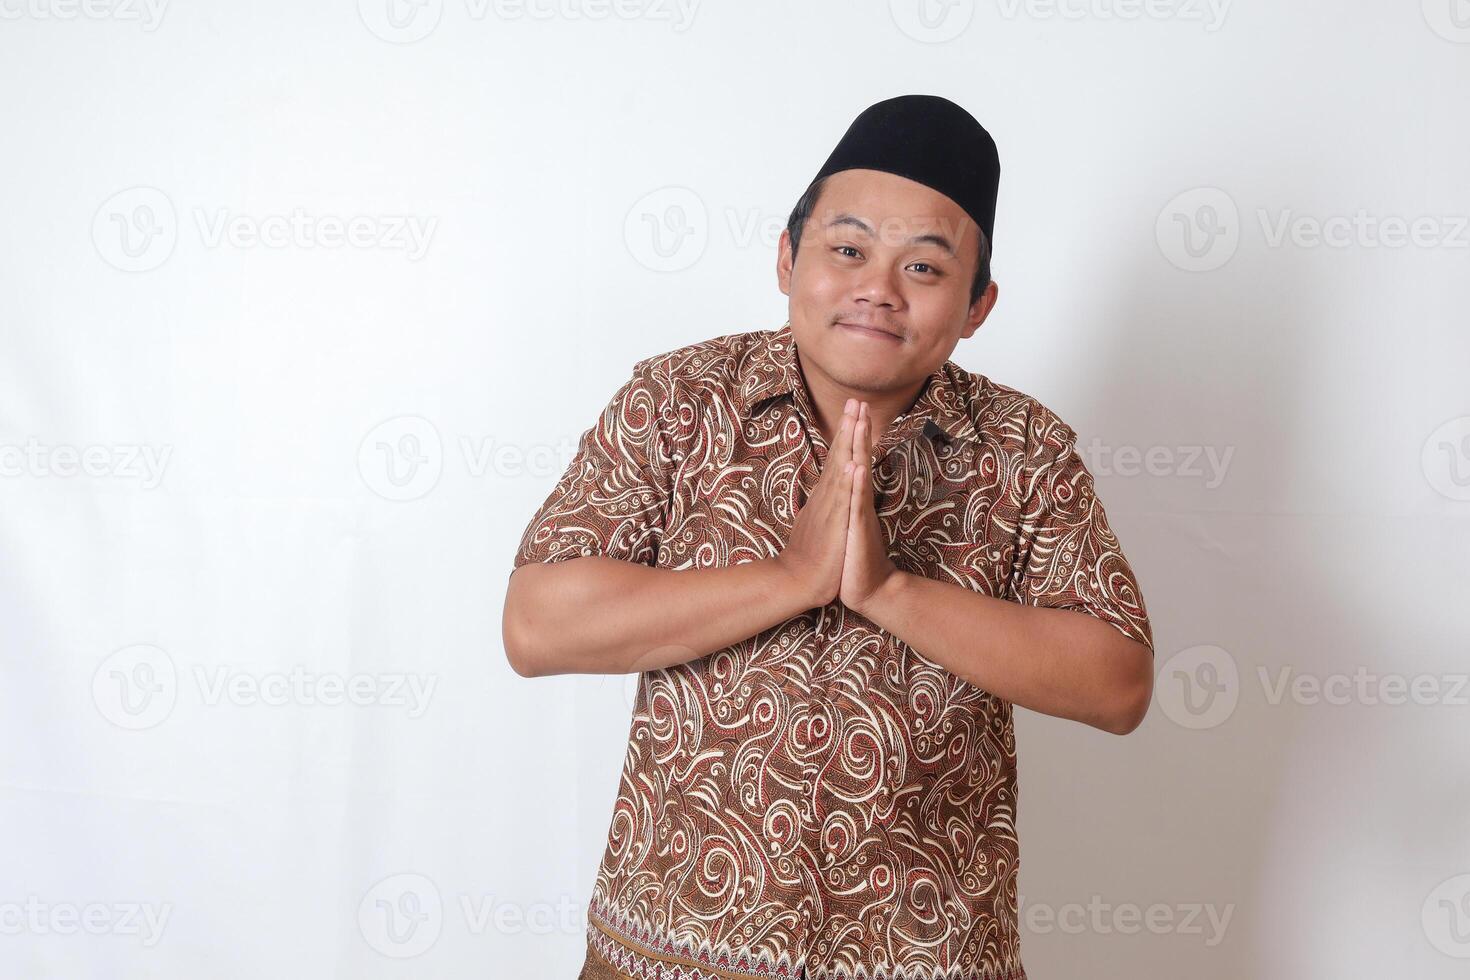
point(791, 585)
point(886, 596)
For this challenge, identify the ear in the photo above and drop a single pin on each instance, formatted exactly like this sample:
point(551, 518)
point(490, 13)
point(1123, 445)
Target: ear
point(785, 261)
point(980, 309)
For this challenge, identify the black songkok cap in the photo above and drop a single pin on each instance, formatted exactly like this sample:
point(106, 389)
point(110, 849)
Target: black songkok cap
point(928, 139)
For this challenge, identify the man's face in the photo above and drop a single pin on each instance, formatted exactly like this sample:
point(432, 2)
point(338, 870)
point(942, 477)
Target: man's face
point(890, 254)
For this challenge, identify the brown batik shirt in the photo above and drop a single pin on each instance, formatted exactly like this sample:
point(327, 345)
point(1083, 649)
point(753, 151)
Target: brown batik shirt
point(821, 799)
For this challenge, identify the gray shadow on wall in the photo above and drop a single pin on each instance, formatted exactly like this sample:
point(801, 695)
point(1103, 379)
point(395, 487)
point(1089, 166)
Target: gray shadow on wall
point(1170, 816)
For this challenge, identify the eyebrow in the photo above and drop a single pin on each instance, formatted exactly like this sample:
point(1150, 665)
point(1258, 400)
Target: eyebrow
point(926, 239)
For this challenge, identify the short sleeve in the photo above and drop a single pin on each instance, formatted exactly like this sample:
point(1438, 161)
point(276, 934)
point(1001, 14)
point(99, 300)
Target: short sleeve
point(613, 499)
point(1067, 556)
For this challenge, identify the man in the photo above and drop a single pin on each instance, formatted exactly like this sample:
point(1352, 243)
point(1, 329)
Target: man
point(837, 560)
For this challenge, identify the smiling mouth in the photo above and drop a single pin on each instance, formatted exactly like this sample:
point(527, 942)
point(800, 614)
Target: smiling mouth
point(869, 331)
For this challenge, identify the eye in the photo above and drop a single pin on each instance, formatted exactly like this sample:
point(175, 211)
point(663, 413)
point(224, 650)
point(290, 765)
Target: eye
point(839, 248)
point(927, 266)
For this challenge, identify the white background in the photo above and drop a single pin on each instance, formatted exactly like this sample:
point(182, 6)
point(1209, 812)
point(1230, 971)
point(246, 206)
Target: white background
point(348, 439)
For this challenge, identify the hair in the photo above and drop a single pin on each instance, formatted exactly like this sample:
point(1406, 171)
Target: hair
point(808, 203)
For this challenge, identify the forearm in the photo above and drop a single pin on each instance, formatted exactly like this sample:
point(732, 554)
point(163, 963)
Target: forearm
point(599, 615)
point(1056, 661)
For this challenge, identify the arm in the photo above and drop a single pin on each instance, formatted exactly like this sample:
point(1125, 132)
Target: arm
point(603, 614)
point(1055, 661)
point(599, 615)
point(1052, 660)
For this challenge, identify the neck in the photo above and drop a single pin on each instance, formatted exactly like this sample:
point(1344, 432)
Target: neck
point(828, 397)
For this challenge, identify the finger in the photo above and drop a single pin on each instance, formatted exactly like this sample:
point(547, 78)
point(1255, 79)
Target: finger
point(833, 469)
point(842, 443)
point(840, 452)
point(863, 447)
point(863, 501)
point(860, 434)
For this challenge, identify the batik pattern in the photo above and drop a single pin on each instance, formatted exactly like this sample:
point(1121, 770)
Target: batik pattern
point(821, 797)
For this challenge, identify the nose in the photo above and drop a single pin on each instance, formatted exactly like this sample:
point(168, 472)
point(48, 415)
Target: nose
point(877, 285)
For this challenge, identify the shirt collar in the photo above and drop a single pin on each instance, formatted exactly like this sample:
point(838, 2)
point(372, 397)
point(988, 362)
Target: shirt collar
point(771, 369)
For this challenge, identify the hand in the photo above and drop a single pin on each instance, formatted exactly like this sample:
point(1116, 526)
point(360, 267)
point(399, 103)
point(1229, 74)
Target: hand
point(813, 556)
point(866, 567)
